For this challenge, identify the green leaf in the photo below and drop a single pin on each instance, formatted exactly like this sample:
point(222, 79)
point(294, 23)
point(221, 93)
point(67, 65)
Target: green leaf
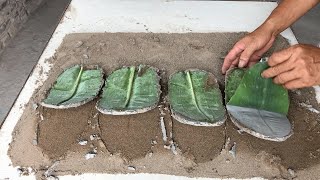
point(233, 80)
point(257, 92)
point(130, 90)
point(195, 98)
point(257, 105)
point(74, 87)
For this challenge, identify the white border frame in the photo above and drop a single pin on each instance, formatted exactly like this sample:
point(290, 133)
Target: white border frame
point(122, 16)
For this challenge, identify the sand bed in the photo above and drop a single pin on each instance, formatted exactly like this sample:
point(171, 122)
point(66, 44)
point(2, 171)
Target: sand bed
point(49, 139)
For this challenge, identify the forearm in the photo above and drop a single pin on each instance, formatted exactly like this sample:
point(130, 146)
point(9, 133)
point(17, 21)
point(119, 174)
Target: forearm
point(286, 14)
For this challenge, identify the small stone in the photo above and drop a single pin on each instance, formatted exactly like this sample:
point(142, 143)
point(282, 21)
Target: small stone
point(154, 142)
point(83, 142)
point(94, 137)
point(173, 149)
point(131, 168)
point(291, 172)
point(167, 147)
point(78, 44)
point(102, 44)
point(150, 154)
point(86, 56)
point(90, 155)
point(34, 142)
point(34, 106)
point(232, 150)
point(41, 117)
point(227, 160)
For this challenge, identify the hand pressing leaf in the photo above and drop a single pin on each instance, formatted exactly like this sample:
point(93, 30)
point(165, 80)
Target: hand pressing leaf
point(130, 90)
point(74, 87)
point(257, 105)
point(195, 98)
point(257, 92)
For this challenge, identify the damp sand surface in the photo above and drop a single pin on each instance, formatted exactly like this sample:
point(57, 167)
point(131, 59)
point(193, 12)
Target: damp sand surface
point(80, 140)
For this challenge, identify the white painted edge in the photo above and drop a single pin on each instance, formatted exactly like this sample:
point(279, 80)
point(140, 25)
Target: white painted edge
point(136, 176)
point(69, 25)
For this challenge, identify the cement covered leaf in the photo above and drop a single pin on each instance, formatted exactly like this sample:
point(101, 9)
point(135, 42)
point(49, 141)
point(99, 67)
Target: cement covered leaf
point(256, 105)
point(130, 90)
point(195, 98)
point(257, 92)
point(74, 87)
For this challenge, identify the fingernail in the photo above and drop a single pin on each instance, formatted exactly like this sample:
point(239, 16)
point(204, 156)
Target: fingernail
point(263, 75)
point(242, 63)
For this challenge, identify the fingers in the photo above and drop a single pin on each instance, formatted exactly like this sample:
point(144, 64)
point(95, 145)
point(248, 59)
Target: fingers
point(278, 69)
point(246, 54)
point(294, 84)
point(286, 77)
point(234, 63)
point(232, 56)
point(280, 56)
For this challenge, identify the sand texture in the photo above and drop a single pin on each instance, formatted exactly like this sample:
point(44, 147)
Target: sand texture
point(49, 138)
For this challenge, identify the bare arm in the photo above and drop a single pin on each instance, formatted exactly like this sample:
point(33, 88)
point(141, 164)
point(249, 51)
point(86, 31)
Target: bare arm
point(249, 49)
point(287, 13)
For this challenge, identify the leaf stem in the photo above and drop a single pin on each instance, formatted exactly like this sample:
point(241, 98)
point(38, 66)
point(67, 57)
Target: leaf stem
point(130, 84)
point(75, 86)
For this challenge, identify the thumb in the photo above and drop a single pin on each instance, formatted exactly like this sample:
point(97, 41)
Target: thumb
point(246, 55)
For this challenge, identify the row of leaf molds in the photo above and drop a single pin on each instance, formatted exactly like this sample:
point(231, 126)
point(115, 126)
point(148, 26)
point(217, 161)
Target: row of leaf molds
point(194, 95)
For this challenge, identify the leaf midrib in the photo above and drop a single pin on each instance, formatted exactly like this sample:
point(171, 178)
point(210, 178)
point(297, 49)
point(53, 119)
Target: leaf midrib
point(193, 95)
point(75, 85)
point(130, 85)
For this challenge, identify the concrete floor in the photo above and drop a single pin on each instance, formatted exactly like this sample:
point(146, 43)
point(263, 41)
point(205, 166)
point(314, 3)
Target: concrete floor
point(23, 52)
point(19, 58)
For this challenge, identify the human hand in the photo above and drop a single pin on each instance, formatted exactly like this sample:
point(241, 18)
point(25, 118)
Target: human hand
point(249, 49)
point(295, 67)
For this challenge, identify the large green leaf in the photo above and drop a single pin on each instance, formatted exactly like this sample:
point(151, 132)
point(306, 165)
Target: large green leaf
point(195, 98)
point(257, 105)
point(74, 87)
point(130, 90)
point(257, 92)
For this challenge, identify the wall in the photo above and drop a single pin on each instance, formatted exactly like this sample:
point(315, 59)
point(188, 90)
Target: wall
point(13, 14)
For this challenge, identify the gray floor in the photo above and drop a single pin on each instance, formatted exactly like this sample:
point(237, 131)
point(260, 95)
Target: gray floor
point(19, 58)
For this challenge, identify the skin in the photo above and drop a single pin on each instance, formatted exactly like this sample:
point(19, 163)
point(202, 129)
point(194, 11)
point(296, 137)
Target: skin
point(295, 67)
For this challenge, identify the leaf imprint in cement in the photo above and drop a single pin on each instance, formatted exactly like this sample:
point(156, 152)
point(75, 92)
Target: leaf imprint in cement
point(257, 105)
point(74, 87)
point(195, 98)
point(130, 90)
